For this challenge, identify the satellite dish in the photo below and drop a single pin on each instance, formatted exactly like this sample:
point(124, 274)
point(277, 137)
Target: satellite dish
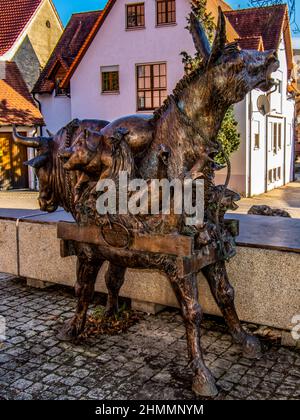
point(263, 104)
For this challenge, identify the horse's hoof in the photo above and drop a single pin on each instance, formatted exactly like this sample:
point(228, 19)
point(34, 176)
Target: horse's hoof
point(252, 347)
point(68, 332)
point(110, 313)
point(204, 385)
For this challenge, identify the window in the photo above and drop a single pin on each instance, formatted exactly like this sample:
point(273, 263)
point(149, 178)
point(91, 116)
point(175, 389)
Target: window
point(135, 15)
point(57, 75)
point(151, 86)
point(289, 135)
point(165, 12)
point(110, 79)
point(275, 138)
point(60, 91)
point(279, 135)
point(274, 174)
point(270, 176)
point(256, 130)
point(278, 174)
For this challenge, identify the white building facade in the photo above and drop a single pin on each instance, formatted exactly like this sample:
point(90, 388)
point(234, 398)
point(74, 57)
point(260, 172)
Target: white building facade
point(265, 158)
point(132, 61)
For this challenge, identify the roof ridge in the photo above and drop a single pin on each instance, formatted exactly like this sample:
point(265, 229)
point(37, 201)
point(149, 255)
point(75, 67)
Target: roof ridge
point(87, 12)
point(247, 9)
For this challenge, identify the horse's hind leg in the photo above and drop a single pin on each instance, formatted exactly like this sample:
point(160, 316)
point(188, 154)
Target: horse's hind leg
point(186, 290)
point(114, 279)
point(87, 271)
point(223, 292)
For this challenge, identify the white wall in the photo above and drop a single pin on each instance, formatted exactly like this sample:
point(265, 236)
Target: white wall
point(238, 180)
point(253, 162)
point(56, 111)
point(114, 45)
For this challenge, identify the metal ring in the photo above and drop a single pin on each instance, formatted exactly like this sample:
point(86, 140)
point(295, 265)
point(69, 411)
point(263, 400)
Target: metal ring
point(126, 246)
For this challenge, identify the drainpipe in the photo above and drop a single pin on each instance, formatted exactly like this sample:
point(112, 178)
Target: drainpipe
point(40, 109)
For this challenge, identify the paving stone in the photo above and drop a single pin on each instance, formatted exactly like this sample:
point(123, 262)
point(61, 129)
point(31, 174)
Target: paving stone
point(21, 384)
point(77, 391)
point(148, 362)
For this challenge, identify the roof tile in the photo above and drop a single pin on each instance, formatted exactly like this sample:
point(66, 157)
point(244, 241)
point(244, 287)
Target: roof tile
point(14, 16)
point(265, 22)
point(16, 104)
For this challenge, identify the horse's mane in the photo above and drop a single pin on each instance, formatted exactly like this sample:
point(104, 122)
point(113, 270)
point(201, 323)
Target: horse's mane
point(178, 90)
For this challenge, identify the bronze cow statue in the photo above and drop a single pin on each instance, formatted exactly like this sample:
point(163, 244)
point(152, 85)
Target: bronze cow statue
point(181, 135)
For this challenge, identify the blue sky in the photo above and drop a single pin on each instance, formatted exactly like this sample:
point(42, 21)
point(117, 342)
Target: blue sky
point(66, 7)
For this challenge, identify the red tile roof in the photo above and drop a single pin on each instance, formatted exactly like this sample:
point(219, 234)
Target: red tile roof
point(16, 104)
point(266, 22)
point(14, 16)
point(251, 43)
point(67, 48)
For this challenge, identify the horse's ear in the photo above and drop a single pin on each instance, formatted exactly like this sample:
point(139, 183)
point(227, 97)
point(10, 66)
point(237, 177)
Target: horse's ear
point(220, 38)
point(199, 37)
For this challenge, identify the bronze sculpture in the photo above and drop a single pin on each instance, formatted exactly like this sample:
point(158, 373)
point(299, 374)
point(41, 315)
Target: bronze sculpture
point(178, 141)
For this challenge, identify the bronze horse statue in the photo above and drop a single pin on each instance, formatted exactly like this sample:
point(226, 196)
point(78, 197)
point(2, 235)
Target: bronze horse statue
point(178, 141)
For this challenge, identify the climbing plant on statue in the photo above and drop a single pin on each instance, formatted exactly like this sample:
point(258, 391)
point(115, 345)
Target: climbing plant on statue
point(228, 134)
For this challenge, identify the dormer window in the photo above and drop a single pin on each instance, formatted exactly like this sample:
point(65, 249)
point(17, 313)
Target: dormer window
point(57, 75)
point(135, 16)
point(165, 12)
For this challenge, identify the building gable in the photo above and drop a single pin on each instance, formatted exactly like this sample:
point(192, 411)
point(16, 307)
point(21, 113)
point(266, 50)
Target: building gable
point(212, 8)
point(67, 48)
point(262, 28)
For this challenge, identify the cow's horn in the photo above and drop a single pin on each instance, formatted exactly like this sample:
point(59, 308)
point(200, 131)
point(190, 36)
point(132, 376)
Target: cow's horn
point(34, 142)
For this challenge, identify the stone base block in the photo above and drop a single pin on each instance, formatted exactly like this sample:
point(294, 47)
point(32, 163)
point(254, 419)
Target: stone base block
point(147, 307)
point(288, 340)
point(38, 284)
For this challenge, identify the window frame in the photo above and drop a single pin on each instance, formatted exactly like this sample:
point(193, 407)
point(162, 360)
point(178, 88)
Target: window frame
point(130, 28)
point(152, 89)
point(102, 72)
point(156, 13)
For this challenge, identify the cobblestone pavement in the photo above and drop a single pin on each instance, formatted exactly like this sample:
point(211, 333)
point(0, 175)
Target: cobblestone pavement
point(148, 362)
point(286, 198)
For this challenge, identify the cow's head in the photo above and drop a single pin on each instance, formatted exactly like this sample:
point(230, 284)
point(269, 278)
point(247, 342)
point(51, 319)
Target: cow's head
point(232, 72)
point(43, 165)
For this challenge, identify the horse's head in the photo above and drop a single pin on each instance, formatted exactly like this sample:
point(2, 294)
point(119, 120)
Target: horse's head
point(232, 72)
point(43, 165)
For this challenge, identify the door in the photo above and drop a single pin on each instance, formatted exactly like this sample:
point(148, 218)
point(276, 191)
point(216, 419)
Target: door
point(13, 174)
point(275, 152)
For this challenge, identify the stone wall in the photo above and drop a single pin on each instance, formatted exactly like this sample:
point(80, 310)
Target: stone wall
point(265, 281)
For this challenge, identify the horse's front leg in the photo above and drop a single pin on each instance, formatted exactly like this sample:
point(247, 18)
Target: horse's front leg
point(223, 292)
point(114, 279)
point(186, 290)
point(87, 271)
